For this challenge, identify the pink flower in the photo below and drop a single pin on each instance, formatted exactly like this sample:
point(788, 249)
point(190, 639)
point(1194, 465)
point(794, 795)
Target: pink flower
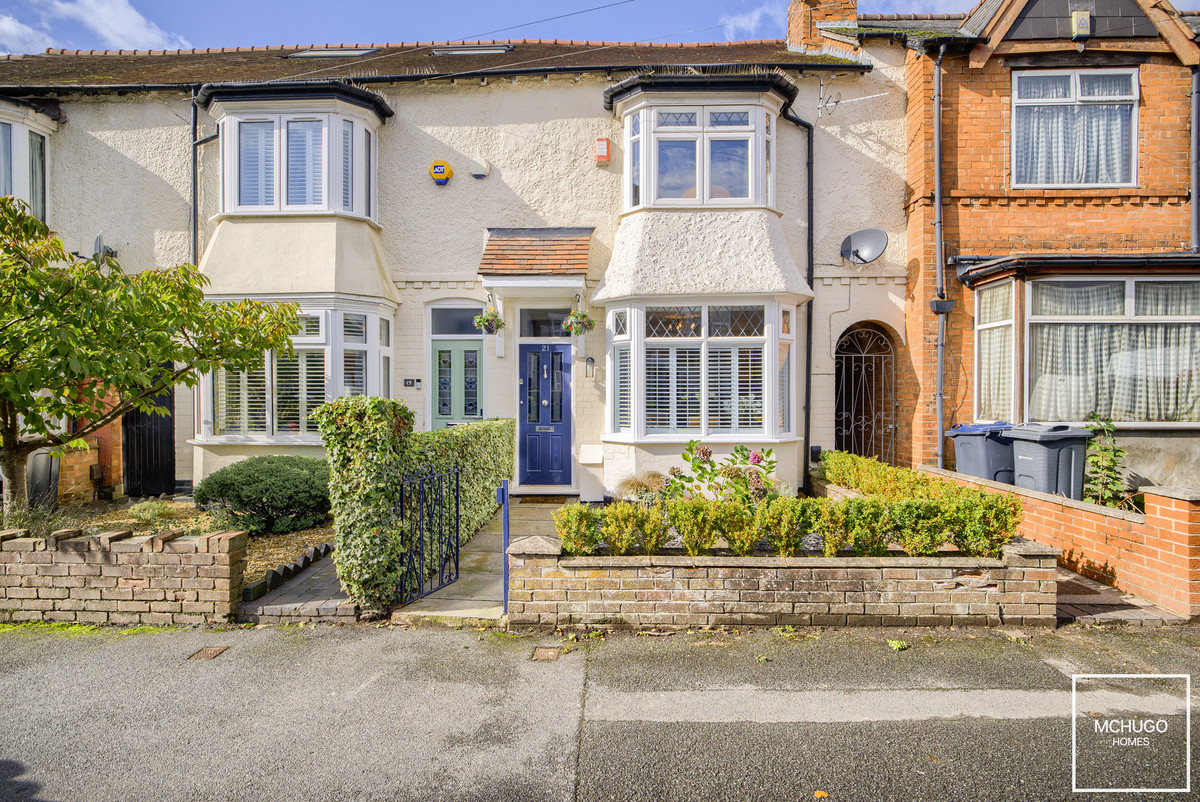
point(703, 453)
point(755, 458)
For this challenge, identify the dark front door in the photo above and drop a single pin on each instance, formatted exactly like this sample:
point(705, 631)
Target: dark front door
point(544, 434)
point(149, 450)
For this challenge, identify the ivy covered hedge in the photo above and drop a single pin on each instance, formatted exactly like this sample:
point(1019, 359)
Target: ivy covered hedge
point(484, 451)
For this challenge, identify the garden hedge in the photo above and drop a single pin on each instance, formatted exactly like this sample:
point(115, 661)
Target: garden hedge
point(270, 494)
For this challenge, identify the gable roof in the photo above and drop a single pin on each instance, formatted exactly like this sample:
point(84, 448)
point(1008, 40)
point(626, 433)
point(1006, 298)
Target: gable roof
point(536, 251)
point(157, 69)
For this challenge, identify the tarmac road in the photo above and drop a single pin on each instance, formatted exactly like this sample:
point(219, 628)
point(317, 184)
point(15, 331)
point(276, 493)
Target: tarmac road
point(366, 713)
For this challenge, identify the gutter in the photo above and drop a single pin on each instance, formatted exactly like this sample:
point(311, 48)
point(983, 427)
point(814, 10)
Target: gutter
point(805, 458)
point(972, 270)
point(940, 305)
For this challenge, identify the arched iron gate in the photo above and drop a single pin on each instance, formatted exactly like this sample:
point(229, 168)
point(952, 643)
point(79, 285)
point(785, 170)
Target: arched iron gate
point(865, 370)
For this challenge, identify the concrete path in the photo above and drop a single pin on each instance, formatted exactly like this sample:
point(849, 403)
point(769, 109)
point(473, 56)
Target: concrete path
point(1086, 601)
point(374, 713)
point(313, 595)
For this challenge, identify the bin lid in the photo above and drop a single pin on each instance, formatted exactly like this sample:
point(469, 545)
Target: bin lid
point(1045, 432)
point(979, 428)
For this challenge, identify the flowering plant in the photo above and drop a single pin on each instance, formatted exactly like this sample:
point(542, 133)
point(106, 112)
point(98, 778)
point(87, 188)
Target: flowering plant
point(578, 323)
point(490, 321)
point(744, 475)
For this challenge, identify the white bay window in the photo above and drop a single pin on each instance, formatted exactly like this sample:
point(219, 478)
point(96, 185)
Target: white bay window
point(24, 155)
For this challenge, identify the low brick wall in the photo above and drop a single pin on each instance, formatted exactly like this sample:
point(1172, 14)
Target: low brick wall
point(547, 589)
point(1155, 556)
point(117, 578)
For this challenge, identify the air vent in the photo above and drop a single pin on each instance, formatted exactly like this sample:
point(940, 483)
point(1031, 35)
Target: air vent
point(470, 50)
point(333, 52)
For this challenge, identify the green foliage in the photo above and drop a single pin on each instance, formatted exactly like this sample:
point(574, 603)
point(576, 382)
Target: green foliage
point(786, 521)
point(151, 511)
point(654, 529)
point(744, 475)
point(871, 477)
point(575, 525)
point(79, 333)
point(735, 522)
point(861, 524)
point(920, 526)
point(367, 441)
point(981, 523)
point(270, 494)
point(619, 526)
point(484, 453)
point(1105, 483)
point(696, 520)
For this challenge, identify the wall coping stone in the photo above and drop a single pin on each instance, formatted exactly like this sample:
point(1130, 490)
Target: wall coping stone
point(538, 546)
point(1177, 492)
point(1085, 506)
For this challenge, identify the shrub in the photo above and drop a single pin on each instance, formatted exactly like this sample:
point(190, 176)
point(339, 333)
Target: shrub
point(786, 521)
point(735, 521)
point(576, 527)
point(482, 450)
point(981, 522)
point(653, 529)
point(151, 511)
point(619, 526)
point(920, 525)
point(367, 440)
point(271, 494)
point(695, 520)
point(861, 524)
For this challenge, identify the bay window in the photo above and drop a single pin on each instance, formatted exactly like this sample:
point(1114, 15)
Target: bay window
point(713, 154)
point(994, 353)
point(332, 354)
point(299, 163)
point(1074, 128)
point(24, 155)
point(691, 370)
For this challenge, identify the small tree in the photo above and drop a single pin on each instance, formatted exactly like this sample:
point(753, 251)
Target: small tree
point(81, 340)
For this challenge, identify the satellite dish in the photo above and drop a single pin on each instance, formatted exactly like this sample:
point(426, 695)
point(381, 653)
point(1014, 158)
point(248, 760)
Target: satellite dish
point(864, 246)
point(98, 247)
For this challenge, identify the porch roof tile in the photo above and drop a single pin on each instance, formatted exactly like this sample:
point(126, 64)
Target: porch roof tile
point(536, 251)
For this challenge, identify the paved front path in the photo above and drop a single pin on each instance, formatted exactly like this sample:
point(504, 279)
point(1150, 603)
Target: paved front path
point(314, 594)
point(367, 713)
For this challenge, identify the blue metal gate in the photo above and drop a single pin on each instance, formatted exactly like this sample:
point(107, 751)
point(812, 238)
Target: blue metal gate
point(429, 517)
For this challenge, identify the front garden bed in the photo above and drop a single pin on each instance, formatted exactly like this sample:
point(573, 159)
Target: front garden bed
point(552, 590)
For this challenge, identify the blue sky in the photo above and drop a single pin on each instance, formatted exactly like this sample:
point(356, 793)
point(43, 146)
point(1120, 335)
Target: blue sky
point(29, 26)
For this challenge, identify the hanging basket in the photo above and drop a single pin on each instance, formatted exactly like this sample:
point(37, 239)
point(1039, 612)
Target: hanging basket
point(489, 322)
point(578, 323)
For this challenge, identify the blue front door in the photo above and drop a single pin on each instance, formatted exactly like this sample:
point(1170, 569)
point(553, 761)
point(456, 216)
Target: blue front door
point(544, 434)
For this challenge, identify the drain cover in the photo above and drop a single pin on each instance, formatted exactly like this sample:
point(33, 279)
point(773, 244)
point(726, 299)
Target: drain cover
point(545, 654)
point(208, 653)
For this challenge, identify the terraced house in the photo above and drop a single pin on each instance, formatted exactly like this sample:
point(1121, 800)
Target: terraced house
point(691, 198)
point(853, 238)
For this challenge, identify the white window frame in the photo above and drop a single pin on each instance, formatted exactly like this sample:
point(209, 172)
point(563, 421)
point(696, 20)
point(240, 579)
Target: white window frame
point(762, 115)
point(478, 307)
point(330, 311)
point(1076, 99)
point(26, 121)
point(637, 342)
point(1127, 318)
point(1011, 322)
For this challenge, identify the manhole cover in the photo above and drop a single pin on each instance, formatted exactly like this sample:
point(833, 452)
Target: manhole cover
point(208, 652)
point(545, 654)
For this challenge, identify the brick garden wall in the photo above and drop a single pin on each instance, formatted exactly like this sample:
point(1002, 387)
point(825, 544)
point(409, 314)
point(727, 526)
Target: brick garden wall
point(74, 473)
point(547, 589)
point(1155, 556)
point(116, 578)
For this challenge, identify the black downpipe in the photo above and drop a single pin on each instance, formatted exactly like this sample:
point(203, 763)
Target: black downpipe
point(196, 144)
point(786, 113)
point(1195, 175)
point(940, 305)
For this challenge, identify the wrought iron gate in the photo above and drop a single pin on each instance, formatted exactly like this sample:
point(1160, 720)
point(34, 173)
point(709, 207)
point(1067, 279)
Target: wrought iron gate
point(429, 517)
point(865, 395)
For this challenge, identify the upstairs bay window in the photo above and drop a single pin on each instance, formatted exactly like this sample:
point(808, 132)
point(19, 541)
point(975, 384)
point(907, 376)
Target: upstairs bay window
point(1075, 128)
point(23, 156)
point(702, 155)
point(301, 163)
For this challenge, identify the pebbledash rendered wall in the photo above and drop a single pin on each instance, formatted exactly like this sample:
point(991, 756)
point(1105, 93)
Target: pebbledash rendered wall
point(116, 578)
point(547, 589)
point(1155, 555)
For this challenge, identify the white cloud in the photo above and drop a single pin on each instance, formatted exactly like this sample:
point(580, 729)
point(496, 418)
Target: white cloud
point(117, 23)
point(771, 15)
point(17, 37)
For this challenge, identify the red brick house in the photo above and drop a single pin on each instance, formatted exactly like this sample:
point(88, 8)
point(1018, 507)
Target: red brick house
point(1064, 170)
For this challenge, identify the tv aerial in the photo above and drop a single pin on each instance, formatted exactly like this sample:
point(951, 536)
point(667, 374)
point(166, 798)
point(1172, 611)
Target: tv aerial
point(864, 246)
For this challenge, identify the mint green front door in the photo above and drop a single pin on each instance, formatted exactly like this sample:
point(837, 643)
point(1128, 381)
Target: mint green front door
point(457, 383)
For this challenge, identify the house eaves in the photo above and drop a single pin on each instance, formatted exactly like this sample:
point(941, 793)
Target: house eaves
point(973, 270)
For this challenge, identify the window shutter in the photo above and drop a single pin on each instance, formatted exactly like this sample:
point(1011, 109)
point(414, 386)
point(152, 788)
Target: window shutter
point(256, 164)
point(623, 394)
point(240, 401)
point(304, 162)
point(785, 387)
point(672, 389)
point(720, 389)
point(735, 387)
point(299, 389)
point(347, 165)
point(354, 372)
point(750, 389)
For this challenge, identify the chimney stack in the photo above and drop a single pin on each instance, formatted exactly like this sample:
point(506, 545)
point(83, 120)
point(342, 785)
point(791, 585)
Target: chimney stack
point(804, 17)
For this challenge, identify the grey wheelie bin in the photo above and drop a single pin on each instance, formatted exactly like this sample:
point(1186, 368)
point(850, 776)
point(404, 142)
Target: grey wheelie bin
point(1050, 458)
point(984, 450)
